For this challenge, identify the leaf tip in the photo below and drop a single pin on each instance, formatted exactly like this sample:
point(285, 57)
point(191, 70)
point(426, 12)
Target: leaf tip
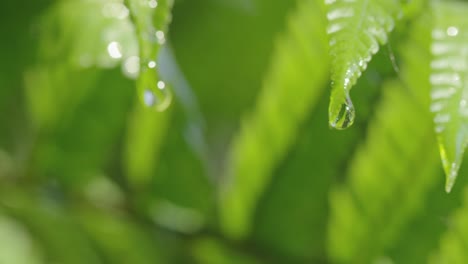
point(451, 172)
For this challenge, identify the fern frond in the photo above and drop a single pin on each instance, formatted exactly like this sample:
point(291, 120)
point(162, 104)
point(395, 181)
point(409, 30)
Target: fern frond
point(449, 79)
point(290, 91)
point(356, 30)
point(387, 180)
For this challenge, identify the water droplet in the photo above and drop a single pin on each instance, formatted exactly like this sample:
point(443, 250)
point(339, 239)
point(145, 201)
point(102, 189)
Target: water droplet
point(153, 92)
point(114, 50)
point(160, 37)
point(452, 31)
point(161, 85)
point(341, 116)
point(153, 3)
point(152, 64)
point(131, 67)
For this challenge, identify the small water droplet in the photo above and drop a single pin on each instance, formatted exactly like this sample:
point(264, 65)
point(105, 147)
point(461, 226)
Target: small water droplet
point(153, 92)
point(114, 49)
point(152, 64)
point(153, 3)
point(342, 115)
point(161, 85)
point(160, 37)
point(452, 31)
point(131, 67)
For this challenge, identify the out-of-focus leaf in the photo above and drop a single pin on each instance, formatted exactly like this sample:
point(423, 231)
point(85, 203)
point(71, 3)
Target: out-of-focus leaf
point(356, 29)
point(16, 244)
point(52, 227)
point(449, 79)
point(121, 239)
point(145, 135)
point(62, 77)
point(291, 217)
point(290, 91)
point(181, 180)
point(453, 243)
point(420, 236)
point(82, 145)
point(212, 251)
point(224, 53)
point(368, 214)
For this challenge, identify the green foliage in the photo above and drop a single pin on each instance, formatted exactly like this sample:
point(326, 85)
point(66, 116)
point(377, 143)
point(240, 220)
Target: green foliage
point(361, 207)
point(452, 243)
point(274, 122)
point(124, 139)
point(449, 78)
point(356, 30)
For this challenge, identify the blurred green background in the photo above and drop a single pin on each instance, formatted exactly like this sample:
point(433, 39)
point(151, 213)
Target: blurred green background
point(241, 168)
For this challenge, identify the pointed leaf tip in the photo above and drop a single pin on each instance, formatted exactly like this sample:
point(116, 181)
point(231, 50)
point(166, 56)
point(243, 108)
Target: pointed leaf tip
point(451, 172)
point(449, 95)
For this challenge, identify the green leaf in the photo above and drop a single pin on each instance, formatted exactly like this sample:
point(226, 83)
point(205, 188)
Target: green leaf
point(356, 28)
point(449, 79)
point(119, 238)
point(55, 86)
point(212, 251)
point(59, 235)
point(150, 21)
point(453, 243)
point(17, 246)
point(388, 180)
point(63, 73)
point(145, 136)
point(292, 87)
point(79, 147)
point(291, 217)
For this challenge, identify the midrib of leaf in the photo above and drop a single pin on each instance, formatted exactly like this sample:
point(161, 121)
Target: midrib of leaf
point(449, 79)
point(290, 91)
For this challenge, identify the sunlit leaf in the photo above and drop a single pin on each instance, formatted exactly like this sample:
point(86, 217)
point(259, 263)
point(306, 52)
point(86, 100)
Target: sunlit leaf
point(449, 79)
point(356, 29)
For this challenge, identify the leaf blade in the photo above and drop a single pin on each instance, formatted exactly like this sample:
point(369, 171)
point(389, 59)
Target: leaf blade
point(356, 29)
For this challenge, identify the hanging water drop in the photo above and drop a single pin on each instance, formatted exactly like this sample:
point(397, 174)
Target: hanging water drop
point(153, 92)
point(341, 111)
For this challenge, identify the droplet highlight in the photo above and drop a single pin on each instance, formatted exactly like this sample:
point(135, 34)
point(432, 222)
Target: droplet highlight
point(115, 50)
point(341, 113)
point(153, 92)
